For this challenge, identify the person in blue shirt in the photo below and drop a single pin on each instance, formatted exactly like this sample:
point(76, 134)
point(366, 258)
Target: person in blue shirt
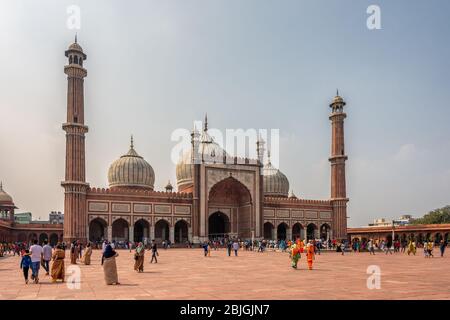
point(25, 264)
point(205, 248)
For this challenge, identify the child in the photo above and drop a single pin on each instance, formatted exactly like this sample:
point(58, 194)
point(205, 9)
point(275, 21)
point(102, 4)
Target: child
point(25, 264)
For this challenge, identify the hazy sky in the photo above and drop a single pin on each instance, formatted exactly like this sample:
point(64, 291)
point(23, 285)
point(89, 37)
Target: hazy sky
point(154, 66)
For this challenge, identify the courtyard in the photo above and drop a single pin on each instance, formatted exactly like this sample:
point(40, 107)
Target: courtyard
point(187, 274)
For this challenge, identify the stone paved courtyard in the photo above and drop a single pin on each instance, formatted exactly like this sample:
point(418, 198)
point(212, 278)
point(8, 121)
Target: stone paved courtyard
point(186, 274)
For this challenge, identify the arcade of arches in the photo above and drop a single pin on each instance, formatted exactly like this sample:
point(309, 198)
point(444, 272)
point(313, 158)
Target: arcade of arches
point(284, 232)
point(141, 231)
point(418, 233)
point(231, 209)
point(52, 237)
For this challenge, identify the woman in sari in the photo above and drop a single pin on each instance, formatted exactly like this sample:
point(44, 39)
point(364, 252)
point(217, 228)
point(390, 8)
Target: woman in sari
point(57, 271)
point(411, 247)
point(295, 255)
point(310, 254)
point(109, 265)
point(73, 253)
point(86, 259)
point(139, 258)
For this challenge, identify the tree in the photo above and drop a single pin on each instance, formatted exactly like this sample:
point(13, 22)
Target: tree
point(437, 216)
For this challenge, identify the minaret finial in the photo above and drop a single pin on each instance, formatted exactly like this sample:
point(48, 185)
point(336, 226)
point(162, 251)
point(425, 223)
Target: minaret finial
point(206, 122)
point(76, 40)
point(132, 142)
point(337, 92)
point(268, 156)
point(1, 185)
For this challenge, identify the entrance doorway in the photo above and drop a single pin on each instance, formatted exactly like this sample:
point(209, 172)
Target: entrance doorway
point(218, 225)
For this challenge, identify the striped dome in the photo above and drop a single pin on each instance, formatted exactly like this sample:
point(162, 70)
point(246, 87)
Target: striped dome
point(131, 170)
point(276, 184)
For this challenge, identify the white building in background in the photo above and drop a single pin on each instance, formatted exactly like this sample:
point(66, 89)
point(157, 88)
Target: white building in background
point(404, 220)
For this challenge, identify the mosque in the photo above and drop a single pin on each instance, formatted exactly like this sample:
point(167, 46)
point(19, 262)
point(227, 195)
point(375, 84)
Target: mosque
point(218, 195)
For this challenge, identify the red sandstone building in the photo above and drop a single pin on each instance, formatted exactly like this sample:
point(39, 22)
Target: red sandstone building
point(419, 233)
point(218, 194)
point(12, 231)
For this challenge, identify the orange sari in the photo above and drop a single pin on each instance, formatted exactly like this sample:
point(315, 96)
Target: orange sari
point(310, 255)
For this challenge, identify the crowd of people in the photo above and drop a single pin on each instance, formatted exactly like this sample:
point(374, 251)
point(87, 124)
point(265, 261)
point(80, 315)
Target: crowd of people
point(51, 258)
point(405, 246)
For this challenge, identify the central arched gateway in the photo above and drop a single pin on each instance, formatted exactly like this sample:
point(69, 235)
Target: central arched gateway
point(218, 225)
point(231, 210)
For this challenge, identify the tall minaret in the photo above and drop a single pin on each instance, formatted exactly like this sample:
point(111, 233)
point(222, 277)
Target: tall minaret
point(75, 186)
point(338, 190)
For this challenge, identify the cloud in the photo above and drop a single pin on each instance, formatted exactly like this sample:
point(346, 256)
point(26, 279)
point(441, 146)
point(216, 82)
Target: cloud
point(405, 153)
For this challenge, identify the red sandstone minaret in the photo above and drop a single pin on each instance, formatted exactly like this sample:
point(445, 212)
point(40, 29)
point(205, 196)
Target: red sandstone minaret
point(75, 186)
point(338, 190)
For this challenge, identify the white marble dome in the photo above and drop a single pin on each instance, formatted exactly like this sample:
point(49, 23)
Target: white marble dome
point(131, 171)
point(208, 151)
point(276, 184)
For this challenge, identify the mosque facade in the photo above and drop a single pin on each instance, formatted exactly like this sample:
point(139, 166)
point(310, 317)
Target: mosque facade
point(217, 195)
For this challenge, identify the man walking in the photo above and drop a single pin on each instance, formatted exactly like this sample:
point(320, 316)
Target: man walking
point(47, 256)
point(388, 248)
point(154, 252)
point(229, 246)
point(371, 247)
point(443, 244)
point(236, 248)
point(80, 249)
point(36, 255)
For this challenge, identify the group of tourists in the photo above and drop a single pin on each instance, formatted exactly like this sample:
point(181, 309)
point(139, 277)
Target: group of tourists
point(51, 259)
point(231, 245)
point(37, 256)
point(409, 248)
point(13, 248)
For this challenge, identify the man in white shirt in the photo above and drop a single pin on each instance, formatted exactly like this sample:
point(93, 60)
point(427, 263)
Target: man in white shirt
point(47, 255)
point(36, 255)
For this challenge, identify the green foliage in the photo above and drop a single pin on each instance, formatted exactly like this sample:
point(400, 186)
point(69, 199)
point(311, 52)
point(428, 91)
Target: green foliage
point(437, 216)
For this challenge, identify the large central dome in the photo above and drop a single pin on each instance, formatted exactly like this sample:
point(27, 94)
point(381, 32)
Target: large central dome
point(207, 151)
point(131, 171)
